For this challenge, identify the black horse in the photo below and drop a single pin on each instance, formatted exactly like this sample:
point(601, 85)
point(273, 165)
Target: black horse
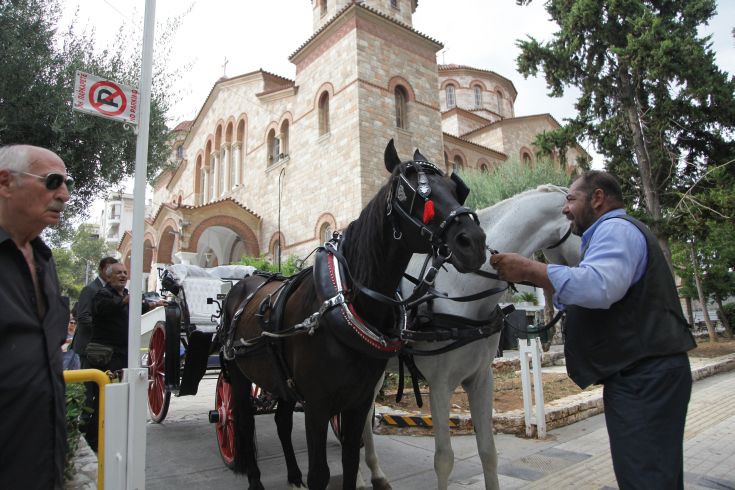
point(323, 337)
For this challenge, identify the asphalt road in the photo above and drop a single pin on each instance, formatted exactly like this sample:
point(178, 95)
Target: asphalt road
point(182, 452)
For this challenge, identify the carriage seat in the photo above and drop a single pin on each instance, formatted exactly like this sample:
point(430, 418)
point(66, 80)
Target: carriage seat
point(199, 284)
point(197, 290)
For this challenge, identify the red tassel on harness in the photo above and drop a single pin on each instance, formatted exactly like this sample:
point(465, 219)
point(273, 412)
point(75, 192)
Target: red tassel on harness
point(428, 211)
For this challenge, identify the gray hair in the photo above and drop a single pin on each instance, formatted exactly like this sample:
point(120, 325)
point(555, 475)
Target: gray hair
point(15, 158)
point(108, 269)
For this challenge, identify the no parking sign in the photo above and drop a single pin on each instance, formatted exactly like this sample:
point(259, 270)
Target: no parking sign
point(105, 98)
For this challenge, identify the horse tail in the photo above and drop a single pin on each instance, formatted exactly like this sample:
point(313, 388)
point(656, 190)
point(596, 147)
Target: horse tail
point(246, 449)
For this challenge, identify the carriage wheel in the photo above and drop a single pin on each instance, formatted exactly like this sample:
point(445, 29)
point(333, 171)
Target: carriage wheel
point(225, 425)
point(159, 396)
point(336, 424)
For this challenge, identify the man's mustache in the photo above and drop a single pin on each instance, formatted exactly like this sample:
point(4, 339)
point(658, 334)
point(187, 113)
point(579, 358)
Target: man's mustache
point(57, 205)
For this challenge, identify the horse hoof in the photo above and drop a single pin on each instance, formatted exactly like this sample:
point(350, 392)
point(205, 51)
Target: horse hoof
point(381, 484)
point(296, 481)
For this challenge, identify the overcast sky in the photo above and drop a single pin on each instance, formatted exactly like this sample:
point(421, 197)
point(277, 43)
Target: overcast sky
point(252, 34)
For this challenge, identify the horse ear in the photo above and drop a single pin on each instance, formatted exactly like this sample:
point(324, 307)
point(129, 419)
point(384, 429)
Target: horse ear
point(391, 157)
point(462, 190)
point(418, 157)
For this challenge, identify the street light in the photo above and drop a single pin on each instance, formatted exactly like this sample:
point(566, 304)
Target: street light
point(280, 189)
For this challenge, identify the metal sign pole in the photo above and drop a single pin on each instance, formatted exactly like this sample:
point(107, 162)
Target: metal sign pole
point(136, 377)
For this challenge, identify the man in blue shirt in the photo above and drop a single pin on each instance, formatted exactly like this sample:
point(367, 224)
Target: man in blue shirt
point(624, 330)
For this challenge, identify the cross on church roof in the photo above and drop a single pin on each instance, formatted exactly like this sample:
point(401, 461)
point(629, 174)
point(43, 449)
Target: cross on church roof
point(224, 67)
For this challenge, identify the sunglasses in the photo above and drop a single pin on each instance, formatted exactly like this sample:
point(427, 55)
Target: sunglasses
point(53, 181)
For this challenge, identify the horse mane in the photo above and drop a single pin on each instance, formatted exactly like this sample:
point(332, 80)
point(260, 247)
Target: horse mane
point(368, 229)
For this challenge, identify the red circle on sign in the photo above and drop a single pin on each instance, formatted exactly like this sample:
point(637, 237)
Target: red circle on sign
point(115, 93)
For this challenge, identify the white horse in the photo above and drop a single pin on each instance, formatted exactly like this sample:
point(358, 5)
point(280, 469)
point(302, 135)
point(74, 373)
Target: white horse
point(525, 223)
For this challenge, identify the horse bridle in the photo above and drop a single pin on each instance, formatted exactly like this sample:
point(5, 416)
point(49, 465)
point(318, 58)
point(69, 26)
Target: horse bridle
point(402, 191)
point(562, 239)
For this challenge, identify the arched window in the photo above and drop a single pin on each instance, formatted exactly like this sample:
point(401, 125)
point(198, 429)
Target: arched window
point(234, 163)
point(401, 107)
point(284, 140)
point(180, 152)
point(394, 4)
point(240, 151)
point(276, 252)
point(322, 7)
point(451, 100)
point(324, 114)
point(458, 164)
point(499, 98)
point(526, 158)
point(199, 183)
point(325, 232)
point(484, 169)
point(212, 177)
point(478, 96)
point(223, 169)
point(273, 147)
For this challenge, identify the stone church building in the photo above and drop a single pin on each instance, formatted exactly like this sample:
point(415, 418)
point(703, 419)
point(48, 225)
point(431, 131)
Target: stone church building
point(272, 166)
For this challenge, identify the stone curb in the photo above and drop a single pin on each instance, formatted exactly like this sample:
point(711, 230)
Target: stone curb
point(559, 413)
point(85, 468)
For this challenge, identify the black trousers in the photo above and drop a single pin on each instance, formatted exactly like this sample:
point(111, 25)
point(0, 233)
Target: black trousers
point(645, 410)
point(119, 361)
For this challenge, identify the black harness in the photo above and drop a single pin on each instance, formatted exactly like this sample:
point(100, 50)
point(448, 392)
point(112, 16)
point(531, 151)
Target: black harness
point(430, 326)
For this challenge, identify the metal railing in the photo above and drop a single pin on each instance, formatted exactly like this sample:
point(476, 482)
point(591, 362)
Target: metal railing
point(102, 379)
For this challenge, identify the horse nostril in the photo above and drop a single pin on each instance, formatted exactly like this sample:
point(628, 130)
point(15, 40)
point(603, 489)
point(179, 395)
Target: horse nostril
point(463, 241)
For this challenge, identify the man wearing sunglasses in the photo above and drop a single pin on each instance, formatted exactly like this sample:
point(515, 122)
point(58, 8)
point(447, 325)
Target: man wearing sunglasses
point(34, 188)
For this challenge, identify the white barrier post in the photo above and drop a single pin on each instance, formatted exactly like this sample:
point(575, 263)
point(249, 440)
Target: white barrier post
point(136, 377)
point(116, 435)
point(530, 350)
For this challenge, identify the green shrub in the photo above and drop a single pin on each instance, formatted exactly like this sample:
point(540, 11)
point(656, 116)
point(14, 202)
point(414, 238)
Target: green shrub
point(291, 266)
point(509, 179)
point(74, 409)
point(527, 297)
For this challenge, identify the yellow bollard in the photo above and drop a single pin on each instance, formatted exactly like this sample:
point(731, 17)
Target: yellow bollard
point(102, 379)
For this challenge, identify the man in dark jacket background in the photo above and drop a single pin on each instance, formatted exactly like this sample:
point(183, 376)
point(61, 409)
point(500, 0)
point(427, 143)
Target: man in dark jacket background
point(84, 311)
point(34, 188)
point(110, 312)
point(84, 332)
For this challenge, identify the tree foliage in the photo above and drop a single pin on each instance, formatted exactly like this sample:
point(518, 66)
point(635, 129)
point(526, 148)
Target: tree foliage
point(652, 98)
point(38, 64)
point(77, 264)
point(715, 261)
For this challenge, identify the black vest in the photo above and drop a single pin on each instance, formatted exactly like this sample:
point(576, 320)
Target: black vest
point(646, 322)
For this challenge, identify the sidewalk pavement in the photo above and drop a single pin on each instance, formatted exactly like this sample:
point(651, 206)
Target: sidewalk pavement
point(578, 456)
point(182, 452)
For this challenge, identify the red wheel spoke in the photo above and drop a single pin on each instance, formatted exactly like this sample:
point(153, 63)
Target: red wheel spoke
point(225, 427)
point(158, 395)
